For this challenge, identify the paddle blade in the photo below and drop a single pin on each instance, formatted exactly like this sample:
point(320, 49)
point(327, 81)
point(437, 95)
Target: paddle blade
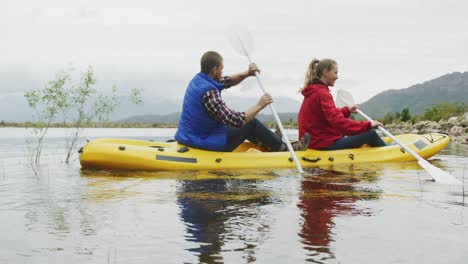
point(241, 41)
point(344, 98)
point(439, 175)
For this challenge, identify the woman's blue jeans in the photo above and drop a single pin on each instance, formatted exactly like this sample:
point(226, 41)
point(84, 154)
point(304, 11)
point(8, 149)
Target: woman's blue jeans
point(370, 138)
point(255, 132)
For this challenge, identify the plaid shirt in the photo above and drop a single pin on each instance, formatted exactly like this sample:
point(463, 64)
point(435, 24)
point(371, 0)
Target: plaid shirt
point(217, 108)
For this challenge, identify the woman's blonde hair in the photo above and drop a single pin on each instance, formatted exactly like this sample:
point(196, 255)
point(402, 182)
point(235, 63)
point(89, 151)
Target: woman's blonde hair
point(315, 70)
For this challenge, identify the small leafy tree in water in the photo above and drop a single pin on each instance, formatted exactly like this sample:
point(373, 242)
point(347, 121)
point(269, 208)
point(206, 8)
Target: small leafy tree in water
point(47, 103)
point(85, 110)
point(81, 101)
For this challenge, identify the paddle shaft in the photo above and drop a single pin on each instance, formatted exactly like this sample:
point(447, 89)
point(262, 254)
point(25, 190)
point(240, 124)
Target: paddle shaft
point(277, 119)
point(406, 148)
point(385, 131)
point(436, 173)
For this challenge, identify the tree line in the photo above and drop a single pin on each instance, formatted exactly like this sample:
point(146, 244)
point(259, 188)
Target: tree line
point(436, 113)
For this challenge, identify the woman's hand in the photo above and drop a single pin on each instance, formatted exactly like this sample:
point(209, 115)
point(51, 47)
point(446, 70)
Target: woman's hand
point(376, 124)
point(353, 109)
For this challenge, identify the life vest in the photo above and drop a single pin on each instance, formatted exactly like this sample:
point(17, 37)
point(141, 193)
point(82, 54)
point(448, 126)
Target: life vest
point(196, 127)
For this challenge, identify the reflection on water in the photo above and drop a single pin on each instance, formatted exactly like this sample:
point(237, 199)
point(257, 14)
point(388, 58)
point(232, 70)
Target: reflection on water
point(225, 213)
point(335, 214)
point(218, 211)
point(324, 196)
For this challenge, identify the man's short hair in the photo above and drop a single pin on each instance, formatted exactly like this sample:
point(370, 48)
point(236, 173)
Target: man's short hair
point(209, 60)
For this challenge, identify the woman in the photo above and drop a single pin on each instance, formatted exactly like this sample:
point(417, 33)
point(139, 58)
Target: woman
point(330, 127)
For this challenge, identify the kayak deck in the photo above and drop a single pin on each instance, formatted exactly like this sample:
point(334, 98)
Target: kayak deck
point(129, 154)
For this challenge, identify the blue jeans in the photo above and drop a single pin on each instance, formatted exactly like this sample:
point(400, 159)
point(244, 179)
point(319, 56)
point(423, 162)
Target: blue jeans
point(370, 138)
point(255, 132)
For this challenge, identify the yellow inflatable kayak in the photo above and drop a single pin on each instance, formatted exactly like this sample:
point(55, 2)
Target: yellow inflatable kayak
point(128, 154)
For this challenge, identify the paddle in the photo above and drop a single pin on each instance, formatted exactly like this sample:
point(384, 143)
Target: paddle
point(345, 98)
point(242, 43)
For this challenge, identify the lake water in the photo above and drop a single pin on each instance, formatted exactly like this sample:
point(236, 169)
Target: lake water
point(371, 213)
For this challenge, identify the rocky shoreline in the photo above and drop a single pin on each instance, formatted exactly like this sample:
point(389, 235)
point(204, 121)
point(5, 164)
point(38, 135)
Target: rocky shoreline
point(455, 127)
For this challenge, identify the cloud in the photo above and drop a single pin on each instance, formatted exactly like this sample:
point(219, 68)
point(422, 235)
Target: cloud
point(156, 45)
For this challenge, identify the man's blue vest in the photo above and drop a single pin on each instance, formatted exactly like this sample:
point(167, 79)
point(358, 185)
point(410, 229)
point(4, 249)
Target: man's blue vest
point(196, 127)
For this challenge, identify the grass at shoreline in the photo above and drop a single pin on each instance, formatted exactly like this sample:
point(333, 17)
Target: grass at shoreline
point(287, 125)
point(97, 125)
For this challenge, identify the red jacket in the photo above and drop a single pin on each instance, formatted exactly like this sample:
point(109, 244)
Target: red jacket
point(325, 122)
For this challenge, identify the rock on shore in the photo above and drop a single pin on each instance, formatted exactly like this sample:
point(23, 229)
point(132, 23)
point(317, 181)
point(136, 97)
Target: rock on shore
point(455, 127)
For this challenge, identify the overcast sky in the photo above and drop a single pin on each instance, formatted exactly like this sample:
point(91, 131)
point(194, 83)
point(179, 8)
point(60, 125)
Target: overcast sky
point(157, 45)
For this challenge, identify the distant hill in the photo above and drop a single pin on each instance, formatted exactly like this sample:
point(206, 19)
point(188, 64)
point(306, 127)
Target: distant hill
point(149, 106)
point(14, 108)
point(287, 109)
point(173, 118)
point(282, 104)
point(448, 88)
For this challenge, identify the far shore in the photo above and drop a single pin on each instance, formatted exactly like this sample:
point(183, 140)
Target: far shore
point(97, 125)
point(455, 127)
point(288, 125)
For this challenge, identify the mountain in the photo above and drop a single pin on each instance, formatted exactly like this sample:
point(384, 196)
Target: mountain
point(149, 106)
point(173, 118)
point(449, 88)
point(287, 109)
point(14, 108)
point(282, 104)
point(165, 110)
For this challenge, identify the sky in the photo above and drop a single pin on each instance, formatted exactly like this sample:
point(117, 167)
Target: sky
point(156, 45)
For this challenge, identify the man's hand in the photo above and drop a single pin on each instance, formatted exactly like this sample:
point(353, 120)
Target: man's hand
point(237, 78)
point(250, 114)
point(253, 68)
point(265, 100)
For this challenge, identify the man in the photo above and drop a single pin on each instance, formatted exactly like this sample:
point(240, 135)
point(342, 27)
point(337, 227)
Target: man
point(206, 121)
